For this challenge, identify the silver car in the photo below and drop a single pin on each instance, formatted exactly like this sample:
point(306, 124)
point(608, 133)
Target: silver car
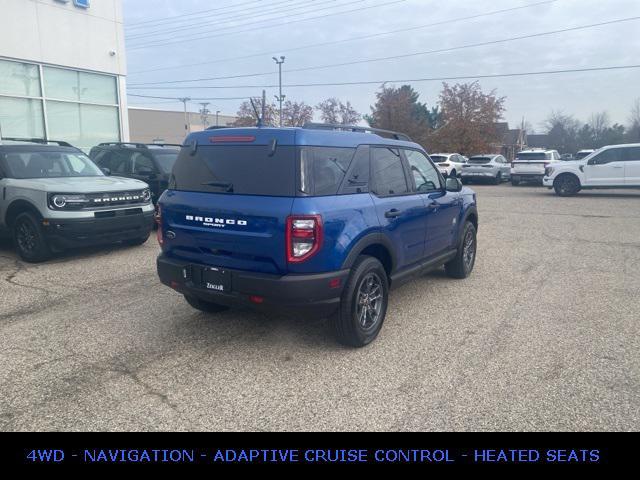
point(54, 197)
point(494, 168)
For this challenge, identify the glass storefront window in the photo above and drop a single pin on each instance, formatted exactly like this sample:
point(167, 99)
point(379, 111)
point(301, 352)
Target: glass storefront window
point(84, 126)
point(21, 118)
point(19, 79)
point(63, 84)
point(81, 108)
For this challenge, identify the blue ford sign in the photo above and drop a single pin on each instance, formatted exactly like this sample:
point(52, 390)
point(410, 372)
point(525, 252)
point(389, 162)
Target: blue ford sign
point(77, 3)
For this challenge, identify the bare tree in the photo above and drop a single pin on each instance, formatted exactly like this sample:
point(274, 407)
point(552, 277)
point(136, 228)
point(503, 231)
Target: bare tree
point(633, 134)
point(296, 114)
point(348, 114)
point(563, 131)
point(247, 115)
point(599, 124)
point(334, 111)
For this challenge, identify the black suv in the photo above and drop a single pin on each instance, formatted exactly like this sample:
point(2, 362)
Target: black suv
point(151, 163)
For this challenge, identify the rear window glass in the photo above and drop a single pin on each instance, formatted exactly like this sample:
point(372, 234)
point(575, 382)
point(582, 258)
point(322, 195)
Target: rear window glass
point(166, 159)
point(244, 170)
point(438, 158)
point(533, 156)
point(322, 169)
point(480, 160)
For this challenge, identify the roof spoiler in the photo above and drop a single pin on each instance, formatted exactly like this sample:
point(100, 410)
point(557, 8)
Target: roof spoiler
point(355, 128)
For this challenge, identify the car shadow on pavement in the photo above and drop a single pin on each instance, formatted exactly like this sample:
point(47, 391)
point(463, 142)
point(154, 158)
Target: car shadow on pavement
point(7, 251)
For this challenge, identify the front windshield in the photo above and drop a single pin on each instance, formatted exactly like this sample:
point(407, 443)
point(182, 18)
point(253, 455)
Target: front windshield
point(166, 159)
point(51, 164)
point(581, 155)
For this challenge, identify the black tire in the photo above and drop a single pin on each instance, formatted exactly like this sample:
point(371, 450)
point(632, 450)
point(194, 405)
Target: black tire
point(29, 239)
point(498, 179)
point(359, 320)
point(515, 183)
point(134, 242)
point(207, 307)
point(566, 185)
point(462, 264)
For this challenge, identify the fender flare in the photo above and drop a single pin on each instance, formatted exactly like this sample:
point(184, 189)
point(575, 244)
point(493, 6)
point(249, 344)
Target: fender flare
point(366, 241)
point(22, 204)
point(472, 210)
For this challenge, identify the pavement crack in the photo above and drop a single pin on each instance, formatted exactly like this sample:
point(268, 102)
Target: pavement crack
point(124, 370)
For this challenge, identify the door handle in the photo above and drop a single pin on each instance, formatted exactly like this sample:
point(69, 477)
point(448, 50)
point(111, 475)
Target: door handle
point(617, 166)
point(433, 206)
point(393, 213)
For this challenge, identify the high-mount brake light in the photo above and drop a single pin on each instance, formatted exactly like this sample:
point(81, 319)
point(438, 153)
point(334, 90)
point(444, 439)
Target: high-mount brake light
point(303, 237)
point(233, 139)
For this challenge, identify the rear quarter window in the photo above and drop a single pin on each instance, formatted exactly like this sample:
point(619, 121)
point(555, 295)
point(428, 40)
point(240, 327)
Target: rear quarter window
point(322, 169)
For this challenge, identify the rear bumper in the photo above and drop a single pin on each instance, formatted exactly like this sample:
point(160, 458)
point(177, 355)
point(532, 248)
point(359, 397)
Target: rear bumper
point(488, 173)
point(310, 294)
point(527, 177)
point(127, 224)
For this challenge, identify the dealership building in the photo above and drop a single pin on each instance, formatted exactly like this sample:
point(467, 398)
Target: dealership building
point(62, 71)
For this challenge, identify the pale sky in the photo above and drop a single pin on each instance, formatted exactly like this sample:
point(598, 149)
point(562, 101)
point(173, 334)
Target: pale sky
point(213, 41)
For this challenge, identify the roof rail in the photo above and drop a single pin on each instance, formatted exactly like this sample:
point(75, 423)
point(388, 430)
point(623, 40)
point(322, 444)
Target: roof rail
point(138, 145)
point(132, 144)
point(355, 128)
point(38, 140)
point(163, 145)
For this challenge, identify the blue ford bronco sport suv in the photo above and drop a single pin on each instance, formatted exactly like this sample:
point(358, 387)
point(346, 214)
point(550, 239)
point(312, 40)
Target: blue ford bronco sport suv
point(322, 220)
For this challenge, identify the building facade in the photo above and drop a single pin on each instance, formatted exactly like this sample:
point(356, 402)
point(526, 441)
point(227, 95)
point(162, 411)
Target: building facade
point(150, 125)
point(62, 71)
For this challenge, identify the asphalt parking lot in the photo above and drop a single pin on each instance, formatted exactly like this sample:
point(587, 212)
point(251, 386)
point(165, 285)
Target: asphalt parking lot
point(545, 335)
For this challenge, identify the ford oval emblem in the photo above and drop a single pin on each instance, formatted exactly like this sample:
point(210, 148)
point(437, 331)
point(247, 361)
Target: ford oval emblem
point(170, 235)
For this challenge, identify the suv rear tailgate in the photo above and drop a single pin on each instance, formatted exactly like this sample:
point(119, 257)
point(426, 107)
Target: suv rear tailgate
point(243, 232)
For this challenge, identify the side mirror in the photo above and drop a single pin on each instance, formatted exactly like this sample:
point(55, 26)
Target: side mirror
point(453, 185)
point(106, 171)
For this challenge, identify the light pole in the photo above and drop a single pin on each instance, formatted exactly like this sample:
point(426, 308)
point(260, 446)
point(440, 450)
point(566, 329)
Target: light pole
point(187, 123)
point(203, 114)
point(280, 97)
point(217, 114)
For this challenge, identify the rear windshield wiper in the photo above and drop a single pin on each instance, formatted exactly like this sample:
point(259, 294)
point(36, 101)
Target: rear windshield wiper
point(228, 187)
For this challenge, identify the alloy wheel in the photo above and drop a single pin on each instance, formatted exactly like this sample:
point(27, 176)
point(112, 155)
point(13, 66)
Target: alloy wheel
point(369, 301)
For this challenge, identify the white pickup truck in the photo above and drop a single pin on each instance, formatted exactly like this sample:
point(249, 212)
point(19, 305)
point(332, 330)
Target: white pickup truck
point(529, 165)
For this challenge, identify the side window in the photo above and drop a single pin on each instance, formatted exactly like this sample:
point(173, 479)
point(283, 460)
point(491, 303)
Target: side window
point(632, 154)
point(120, 162)
point(141, 163)
point(426, 177)
point(323, 169)
point(608, 156)
point(388, 172)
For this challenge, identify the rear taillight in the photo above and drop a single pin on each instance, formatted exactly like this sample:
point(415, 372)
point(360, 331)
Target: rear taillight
point(303, 237)
point(159, 225)
point(443, 164)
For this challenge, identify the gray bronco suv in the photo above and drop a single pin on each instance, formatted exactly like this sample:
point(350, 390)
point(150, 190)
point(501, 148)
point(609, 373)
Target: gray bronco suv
point(53, 197)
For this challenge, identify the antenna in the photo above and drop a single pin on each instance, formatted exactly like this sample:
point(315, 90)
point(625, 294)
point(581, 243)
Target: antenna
point(255, 109)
